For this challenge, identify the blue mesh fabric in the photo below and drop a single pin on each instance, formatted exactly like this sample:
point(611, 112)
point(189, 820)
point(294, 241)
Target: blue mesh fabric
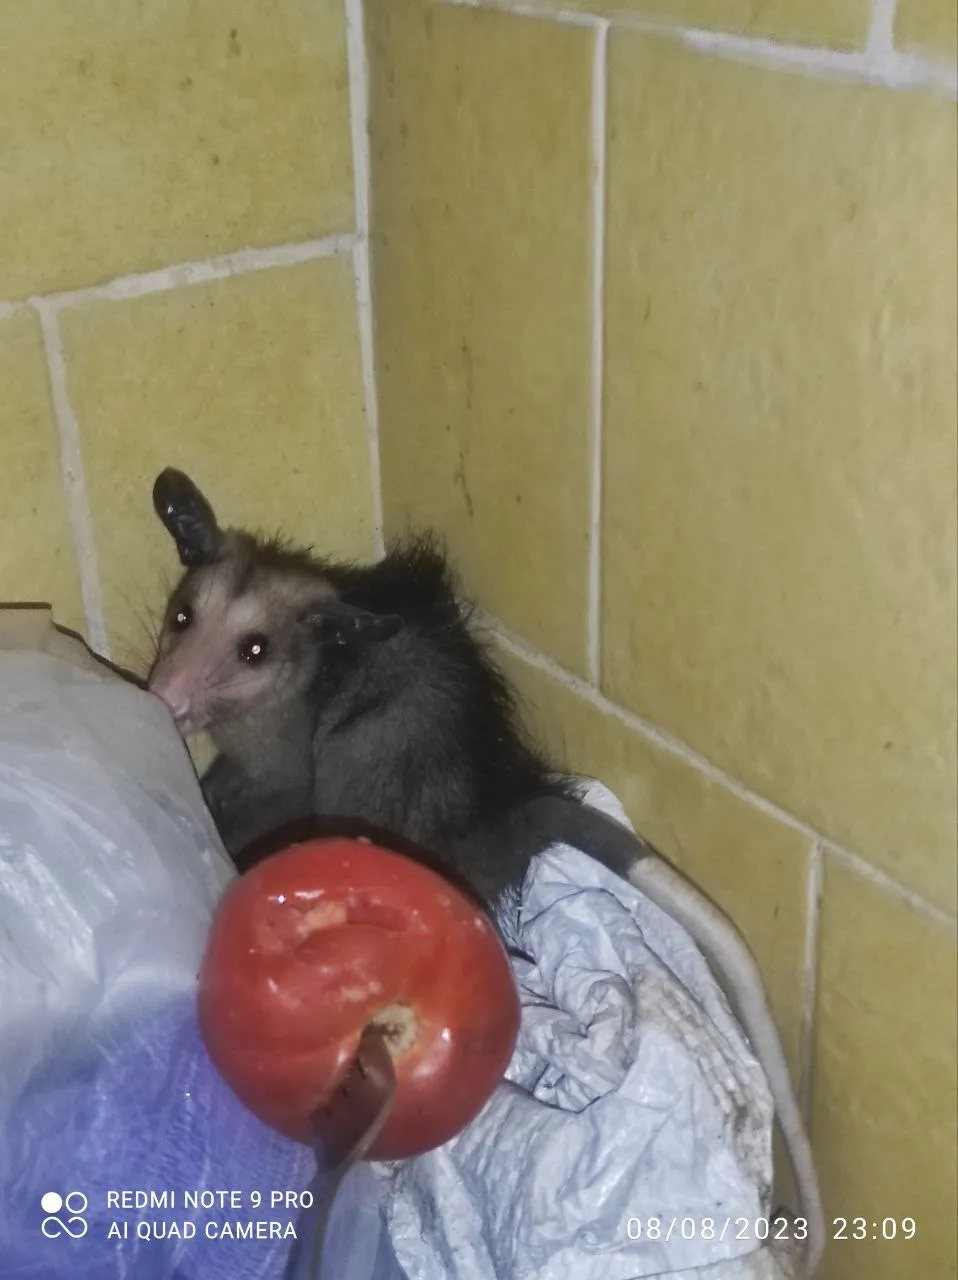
point(139, 1107)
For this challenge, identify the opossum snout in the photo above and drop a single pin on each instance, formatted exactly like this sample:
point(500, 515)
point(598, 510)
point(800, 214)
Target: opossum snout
point(179, 691)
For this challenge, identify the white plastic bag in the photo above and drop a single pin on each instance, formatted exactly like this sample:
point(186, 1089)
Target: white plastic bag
point(110, 869)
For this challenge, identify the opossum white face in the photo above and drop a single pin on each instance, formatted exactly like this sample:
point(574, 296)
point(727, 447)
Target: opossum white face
point(250, 626)
point(234, 639)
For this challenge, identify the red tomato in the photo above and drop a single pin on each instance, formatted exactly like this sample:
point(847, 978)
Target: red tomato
point(317, 942)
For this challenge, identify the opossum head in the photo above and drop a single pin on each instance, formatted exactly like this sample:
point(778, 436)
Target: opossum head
point(251, 626)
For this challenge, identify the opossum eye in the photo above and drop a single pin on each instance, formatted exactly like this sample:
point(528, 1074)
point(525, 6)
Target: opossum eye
point(253, 649)
point(182, 618)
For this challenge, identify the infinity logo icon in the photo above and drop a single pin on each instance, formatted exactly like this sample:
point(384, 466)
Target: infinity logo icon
point(75, 1204)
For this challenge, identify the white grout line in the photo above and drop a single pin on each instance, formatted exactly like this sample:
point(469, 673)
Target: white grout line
point(370, 394)
point(568, 17)
point(911, 66)
point(862, 867)
point(854, 65)
point(660, 738)
point(875, 65)
point(881, 37)
point(878, 63)
point(8, 309)
point(599, 101)
point(71, 466)
point(359, 118)
point(187, 273)
point(806, 1043)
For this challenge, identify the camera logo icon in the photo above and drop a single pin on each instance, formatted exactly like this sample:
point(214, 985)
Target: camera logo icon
point(64, 1215)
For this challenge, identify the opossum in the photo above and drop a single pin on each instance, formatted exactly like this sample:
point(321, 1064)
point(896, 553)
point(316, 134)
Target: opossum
point(360, 693)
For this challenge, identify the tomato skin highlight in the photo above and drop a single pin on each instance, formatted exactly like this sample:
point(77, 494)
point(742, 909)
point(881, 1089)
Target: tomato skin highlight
point(318, 941)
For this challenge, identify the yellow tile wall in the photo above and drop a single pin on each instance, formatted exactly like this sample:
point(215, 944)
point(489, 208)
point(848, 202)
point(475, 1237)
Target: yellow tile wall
point(482, 280)
point(132, 136)
point(885, 1090)
point(740, 611)
point(780, 439)
point(37, 556)
point(178, 206)
point(928, 24)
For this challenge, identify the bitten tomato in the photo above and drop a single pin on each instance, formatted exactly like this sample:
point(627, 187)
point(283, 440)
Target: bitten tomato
point(327, 937)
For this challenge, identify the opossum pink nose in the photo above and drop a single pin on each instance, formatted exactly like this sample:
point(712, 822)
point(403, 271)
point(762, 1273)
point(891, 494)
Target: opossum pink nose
point(180, 707)
point(176, 693)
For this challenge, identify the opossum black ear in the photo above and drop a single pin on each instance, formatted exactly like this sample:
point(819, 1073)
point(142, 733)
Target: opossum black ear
point(339, 623)
point(187, 516)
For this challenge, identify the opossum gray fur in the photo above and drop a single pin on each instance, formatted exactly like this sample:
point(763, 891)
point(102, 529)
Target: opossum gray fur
point(359, 694)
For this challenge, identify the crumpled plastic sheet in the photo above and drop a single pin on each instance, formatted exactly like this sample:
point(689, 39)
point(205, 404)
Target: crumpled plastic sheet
point(635, 1109)
point(632, 1096)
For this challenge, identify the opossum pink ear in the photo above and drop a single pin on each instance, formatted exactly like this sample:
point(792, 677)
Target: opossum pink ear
point(187, 517)
point(336, 622)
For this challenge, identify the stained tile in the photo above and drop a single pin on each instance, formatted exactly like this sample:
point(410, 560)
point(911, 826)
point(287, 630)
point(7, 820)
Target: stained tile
point(37, 559)
point(481, 204)
point(137, 135)
point(930, 25)
point(885, 1088)
point(780, 451)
